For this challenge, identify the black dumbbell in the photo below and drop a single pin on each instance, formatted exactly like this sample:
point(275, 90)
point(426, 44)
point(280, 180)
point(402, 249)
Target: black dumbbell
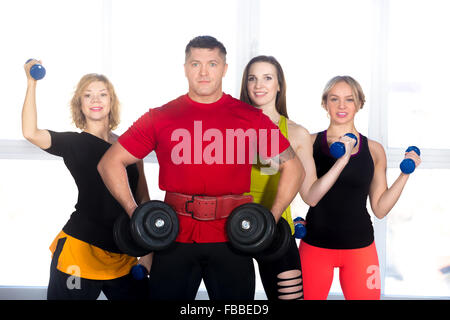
point(280, 243)
point(152, 227)
point(251, 229)
point(124, 240)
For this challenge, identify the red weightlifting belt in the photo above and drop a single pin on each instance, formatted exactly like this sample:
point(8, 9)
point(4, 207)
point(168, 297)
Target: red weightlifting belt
point(205, 208)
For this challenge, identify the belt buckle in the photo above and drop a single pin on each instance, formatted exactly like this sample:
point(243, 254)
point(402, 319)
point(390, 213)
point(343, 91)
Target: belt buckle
point(186, 206)
point(192, 213)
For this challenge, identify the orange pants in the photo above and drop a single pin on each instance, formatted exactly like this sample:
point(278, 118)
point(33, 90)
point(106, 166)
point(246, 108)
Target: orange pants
point(359, 273)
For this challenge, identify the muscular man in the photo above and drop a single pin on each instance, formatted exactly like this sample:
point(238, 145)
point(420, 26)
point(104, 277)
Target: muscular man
point(205, 142)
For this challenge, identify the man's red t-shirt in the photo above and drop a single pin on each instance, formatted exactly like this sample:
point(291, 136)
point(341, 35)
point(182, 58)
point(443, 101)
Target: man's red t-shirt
point(204, 149)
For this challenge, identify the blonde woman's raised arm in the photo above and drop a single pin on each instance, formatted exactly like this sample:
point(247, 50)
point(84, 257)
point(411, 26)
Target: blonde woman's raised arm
point(40, 138)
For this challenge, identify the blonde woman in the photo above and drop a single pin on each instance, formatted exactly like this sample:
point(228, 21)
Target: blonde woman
point(85, 259)
point(340, 232)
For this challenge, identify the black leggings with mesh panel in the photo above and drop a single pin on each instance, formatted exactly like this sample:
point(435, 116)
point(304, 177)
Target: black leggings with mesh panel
point(291, 287)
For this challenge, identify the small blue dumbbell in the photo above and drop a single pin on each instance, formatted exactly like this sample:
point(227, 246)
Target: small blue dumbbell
point(408, 165)
point(139, 272)
point(337, 149)
point(300, 229)
point(37, 71)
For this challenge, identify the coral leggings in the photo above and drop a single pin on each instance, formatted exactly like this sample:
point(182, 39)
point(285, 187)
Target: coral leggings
point(358, 272)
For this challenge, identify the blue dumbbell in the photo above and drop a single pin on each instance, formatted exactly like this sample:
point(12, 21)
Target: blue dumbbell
point(337, 149)
point(408, 165)
point(37, 71)
point(300, 229)
point(139, 272)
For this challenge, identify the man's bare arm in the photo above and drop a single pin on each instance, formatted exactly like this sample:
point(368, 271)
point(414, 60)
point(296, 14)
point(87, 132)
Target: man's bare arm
point(292, 175)
point(112, 169)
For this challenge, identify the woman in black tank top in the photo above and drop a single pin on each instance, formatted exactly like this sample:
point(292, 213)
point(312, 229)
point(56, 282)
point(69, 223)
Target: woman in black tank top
point(339, 227)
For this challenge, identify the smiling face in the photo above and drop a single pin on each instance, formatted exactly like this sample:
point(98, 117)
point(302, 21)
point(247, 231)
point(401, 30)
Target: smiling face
point(341, 104)
point(262, 84)
point(96, 102)
point(204, 69)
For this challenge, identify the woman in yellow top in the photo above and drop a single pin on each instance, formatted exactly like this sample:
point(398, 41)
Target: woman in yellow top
point(85, 258)
point(264, 86)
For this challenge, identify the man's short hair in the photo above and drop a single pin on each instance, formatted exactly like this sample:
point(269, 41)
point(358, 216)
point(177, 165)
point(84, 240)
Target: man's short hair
point(205, 42)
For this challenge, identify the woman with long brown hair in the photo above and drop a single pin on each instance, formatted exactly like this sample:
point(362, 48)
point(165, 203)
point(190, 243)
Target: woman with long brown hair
point(264, 87)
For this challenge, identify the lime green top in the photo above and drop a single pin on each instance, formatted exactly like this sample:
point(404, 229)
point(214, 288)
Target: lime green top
point(264, 187)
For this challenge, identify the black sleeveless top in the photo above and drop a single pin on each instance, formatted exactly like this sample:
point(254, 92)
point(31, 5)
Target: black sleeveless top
point(96, 209)
point(340, 220)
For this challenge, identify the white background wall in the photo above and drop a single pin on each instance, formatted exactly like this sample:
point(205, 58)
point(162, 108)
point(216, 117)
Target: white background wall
point(398, 50)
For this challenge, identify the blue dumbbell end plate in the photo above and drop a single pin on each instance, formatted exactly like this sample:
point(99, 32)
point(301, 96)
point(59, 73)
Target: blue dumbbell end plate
point(139, 272)
point(337, 149)
point(300, 229)
point(37, 71)
point(413, 148)
point(407, 166)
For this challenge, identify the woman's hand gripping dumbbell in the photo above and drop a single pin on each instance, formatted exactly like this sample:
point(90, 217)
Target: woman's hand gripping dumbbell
point(412, 156)
point(337, 149)
point(37, 70)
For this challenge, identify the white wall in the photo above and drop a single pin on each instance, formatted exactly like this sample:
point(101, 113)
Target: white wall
point(400, 60)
